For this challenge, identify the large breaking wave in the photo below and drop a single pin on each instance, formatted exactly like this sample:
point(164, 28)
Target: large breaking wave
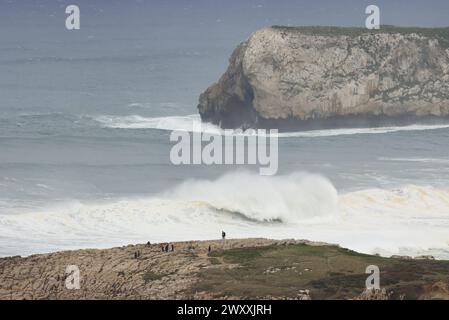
point(410, 219)
point(298, 197)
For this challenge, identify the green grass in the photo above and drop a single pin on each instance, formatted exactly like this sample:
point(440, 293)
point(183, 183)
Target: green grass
point(442, 34)
point(329, 272)
point(240, 255)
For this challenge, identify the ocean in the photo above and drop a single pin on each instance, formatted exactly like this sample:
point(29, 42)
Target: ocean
point(85, 121)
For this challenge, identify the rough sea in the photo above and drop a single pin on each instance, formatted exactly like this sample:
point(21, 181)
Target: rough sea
point(85, 120)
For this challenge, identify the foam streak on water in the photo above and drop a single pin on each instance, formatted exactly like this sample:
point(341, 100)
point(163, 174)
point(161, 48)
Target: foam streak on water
point(192, 122)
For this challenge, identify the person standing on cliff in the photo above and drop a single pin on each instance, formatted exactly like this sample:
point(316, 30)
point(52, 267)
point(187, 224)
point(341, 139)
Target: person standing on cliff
point(223, 237)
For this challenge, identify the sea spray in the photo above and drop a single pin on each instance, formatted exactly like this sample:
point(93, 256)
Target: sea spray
point(411, 220)
point(292, 198)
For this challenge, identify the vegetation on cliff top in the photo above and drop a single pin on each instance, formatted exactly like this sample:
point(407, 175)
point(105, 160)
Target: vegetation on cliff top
point(329, 272)
point(442, 34)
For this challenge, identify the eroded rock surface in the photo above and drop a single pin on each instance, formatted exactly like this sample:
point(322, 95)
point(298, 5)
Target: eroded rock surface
point(309, 77)
point(237, 269)
point(115, 273)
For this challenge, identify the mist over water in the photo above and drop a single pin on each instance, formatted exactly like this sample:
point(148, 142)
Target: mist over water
point(85, 120)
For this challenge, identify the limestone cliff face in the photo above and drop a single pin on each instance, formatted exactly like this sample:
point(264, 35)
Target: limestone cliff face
point(323, 77)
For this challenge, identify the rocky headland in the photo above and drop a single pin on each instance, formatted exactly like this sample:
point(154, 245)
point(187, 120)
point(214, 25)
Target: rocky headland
point(328, 77)
point(236, 269)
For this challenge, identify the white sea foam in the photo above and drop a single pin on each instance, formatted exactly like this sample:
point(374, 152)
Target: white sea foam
point(411, 219)
point(180, 123)
point(424, 160)
point(193, 123)
point(298, 197)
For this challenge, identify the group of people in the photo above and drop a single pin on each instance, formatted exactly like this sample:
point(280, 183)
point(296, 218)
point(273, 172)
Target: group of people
point(167, 247)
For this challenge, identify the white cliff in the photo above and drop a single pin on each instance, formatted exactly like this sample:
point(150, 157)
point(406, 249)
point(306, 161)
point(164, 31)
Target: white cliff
point(322, 76)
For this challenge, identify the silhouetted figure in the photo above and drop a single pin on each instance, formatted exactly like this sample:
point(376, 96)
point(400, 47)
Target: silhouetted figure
point(148, 243)
point(223, 239)
point(172, 248)
point(135, 255)
point(166, 248)
point(209, 249)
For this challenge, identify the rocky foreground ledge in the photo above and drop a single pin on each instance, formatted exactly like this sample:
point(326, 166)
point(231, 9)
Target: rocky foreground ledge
point(327, 77)
point(244, 269)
